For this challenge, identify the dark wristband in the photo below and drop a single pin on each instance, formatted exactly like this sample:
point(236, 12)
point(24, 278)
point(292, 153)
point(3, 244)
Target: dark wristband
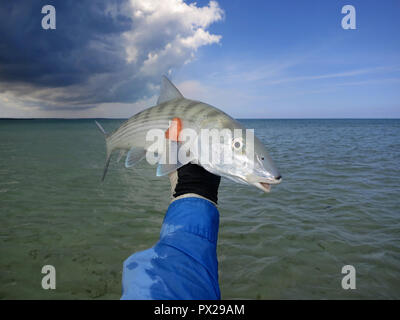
point(195, 179)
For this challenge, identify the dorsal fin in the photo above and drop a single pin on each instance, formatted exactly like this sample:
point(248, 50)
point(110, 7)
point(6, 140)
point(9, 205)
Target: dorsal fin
point(168, 91)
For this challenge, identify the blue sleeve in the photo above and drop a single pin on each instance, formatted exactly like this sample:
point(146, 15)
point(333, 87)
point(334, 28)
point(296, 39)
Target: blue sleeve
point(183, 263)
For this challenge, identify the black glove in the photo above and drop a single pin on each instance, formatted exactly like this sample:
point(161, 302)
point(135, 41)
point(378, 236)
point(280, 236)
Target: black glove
point(192, 178)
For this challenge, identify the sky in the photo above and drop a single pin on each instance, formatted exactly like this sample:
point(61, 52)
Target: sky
point(252, 59)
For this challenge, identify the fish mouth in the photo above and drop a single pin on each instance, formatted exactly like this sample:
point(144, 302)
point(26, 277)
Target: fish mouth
point(266, 186)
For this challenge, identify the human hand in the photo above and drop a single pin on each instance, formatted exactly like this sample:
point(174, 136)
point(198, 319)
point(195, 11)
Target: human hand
point(192, 180)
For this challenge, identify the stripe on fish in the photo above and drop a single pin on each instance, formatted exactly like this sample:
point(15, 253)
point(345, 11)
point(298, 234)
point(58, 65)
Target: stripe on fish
point(130, 138)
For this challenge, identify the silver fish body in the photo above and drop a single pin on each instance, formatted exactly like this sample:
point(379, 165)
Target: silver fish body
point(258, 169)
point(194, 114)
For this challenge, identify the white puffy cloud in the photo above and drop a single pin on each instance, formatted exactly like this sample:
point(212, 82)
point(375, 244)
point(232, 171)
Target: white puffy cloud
point(168, 32)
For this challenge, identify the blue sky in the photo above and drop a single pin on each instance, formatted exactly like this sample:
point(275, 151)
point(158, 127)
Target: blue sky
point(253, 59)
point(292, 59)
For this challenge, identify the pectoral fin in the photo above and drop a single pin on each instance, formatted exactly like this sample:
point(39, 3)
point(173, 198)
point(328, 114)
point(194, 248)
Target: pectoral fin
point(174, 130)
point(169, 162)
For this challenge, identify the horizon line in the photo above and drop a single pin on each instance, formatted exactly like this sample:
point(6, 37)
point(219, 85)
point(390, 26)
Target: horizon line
point(344, 118)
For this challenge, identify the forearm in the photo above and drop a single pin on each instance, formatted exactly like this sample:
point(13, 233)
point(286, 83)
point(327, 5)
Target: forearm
point(183, 264)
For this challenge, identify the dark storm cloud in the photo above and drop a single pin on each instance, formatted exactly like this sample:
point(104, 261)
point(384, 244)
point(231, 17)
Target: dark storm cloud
point(61, 56)
point(99, 51)
point(65, 56)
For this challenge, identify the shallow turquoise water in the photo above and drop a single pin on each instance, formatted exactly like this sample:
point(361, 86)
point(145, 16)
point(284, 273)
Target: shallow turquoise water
point(338, 204)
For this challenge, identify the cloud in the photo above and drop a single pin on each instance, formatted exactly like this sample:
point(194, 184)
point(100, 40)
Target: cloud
point(345, 74)
point(290, 86)
point(102, 52)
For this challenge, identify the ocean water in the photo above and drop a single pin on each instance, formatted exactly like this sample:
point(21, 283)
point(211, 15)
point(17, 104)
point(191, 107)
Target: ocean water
point(338, 204)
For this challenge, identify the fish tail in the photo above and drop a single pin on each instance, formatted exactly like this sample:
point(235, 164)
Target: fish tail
point(106, 167)
point(108, 150)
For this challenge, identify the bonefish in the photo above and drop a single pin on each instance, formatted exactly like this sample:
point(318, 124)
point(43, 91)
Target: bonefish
point(172, 114)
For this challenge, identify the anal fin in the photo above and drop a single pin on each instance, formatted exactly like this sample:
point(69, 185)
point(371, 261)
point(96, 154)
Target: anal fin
point(121, 154)
point(134, 156)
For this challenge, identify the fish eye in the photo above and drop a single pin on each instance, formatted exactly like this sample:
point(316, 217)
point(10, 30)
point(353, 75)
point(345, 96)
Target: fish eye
point(261, 158)
point(237, 143)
